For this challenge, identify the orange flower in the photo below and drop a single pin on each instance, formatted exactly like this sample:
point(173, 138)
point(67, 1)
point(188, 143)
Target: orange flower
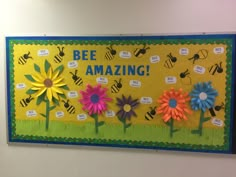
point(173, 105)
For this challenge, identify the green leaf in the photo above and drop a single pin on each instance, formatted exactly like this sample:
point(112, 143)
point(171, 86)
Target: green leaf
point(121, 119)
point(206, 119)
point(29, 77)
point(30, 92)
point(36, 68)
point(60, 69)
point(65, 87)
point(195, 131)
point(55, 101)
point(175, 130)
point(40, 99)
point(168, 123)
point(42, 114)
point(128, 125)
point(46, 66)
point(95, 116)
point(62, 95)
point(52, 107)
point(101, 123)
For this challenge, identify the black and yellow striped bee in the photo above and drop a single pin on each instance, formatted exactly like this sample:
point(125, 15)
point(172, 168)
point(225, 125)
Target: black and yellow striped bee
point(25, 101)
point(139, 52)
point(77, 80)
point(150, 114)
point(216, 68)
point(169, 63)
point(115, 88)
point(110, 54)
point(59, 57)
point(69, 108)
point(201, 54)
point(23, 59)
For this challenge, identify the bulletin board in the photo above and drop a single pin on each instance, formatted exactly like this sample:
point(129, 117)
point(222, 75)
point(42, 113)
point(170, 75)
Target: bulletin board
point(151, 92)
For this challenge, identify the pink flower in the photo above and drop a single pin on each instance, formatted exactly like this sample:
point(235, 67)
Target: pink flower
point(94, 99)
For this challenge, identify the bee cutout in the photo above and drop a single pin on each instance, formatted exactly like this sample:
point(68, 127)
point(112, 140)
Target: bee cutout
point(139, 52)
point(110, 54)
point(185, 78)
point(59, 57)
point(216, 68)
point(23, 59)
point(150, 114)
point(115, 88)
point(217, 108)
point(201, 54)
point(25, 102)
point(69, 108)
point(169, 63)
point(77, 80)
point(220, 107)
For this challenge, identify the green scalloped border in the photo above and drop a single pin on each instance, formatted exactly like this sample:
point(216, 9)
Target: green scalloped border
point(120, 143)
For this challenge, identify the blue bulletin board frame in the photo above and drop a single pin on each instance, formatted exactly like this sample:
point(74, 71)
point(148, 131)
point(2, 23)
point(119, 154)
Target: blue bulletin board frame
point(13, 137)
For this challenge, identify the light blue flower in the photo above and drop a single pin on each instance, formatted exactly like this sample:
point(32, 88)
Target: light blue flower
point(203, 96)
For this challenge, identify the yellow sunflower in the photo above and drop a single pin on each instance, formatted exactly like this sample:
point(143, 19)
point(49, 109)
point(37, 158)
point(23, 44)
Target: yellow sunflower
point(47, 84)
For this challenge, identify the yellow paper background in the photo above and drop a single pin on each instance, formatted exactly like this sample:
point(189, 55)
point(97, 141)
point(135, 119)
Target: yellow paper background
point(153, 85)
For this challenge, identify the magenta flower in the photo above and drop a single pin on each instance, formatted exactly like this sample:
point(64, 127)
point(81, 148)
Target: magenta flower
point(94, 99)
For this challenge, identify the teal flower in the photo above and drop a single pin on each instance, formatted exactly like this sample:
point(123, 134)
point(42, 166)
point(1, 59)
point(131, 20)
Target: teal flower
point(203, 96)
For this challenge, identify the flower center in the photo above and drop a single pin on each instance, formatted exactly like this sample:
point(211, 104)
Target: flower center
point(127, 108)
point(94, 98)
point(172, 103)
point(203, 96)
point(48, 82)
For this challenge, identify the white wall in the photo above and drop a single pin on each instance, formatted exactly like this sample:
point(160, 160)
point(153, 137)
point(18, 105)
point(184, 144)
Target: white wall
point(113, 17)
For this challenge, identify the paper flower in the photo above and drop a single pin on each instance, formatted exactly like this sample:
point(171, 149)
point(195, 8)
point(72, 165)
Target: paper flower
point(94, 100)
point(173, 106)
point(203, 96)
point(49, 83)
point(47, 86)
point(127, 106)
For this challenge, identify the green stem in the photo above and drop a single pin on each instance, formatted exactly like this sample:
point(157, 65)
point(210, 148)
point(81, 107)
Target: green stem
point(171, 127)
point(47, 114)
point(201, 122)
point(96, 123)
point(124, 125)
